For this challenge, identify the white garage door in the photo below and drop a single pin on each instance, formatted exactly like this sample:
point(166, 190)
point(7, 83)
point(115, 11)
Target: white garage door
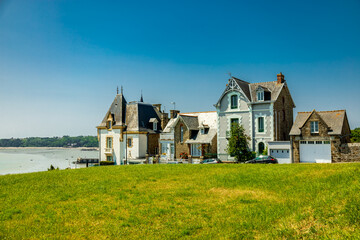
point(282, 155)
point(315, 151)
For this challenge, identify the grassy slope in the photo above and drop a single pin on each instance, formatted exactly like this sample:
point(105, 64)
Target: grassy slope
point(190, 201)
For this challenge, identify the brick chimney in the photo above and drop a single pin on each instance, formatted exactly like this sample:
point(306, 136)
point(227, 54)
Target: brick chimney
point(280, 78)
point(164, 120)
point(174, 113)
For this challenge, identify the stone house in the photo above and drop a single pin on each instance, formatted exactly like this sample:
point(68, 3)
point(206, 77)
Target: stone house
point(320, 136)
point(265, 110)
point(129, 131)
point(167, 138)
point(193, 133)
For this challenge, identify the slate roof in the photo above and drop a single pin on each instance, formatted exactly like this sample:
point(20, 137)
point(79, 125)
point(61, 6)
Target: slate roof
point(203, 138)
point(190, 121)
point(118, 110)
point(139, 115)
point(334, 120)
point(273, 87)
point(244, 87)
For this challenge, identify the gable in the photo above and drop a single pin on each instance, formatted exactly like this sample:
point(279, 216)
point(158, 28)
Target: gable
point(235, 85)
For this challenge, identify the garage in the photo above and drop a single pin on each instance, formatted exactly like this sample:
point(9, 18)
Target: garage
point(315, 152)
point(282, 155)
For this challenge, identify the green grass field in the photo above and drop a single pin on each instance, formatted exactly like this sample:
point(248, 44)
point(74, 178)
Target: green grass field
point(225, 201)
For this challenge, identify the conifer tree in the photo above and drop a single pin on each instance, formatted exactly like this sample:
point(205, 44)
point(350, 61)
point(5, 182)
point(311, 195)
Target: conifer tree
point(238, 143)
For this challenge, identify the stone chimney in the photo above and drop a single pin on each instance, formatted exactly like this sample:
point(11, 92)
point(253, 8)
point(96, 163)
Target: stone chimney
point(158, 106)
point(164, 120)
point(280, 78)
point(174, 113)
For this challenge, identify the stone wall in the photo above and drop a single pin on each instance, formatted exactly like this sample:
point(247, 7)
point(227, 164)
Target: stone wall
point(296, 151)
point(153, 144)
point(181, 146)
point(348, 152)
point(283, 108)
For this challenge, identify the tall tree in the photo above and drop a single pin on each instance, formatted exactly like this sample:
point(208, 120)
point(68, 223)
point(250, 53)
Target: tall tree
point(355, 135)
point(238, 143)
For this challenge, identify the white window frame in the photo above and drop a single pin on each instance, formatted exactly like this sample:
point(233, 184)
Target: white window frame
point(260, 95)
point(236, 102)
point(314, 127)
point(263, 125)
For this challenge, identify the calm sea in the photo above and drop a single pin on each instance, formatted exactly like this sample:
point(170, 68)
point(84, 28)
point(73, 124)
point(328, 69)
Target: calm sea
point(35, 160)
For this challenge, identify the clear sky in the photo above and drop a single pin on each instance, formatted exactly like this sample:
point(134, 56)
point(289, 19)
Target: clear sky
point(61, 61)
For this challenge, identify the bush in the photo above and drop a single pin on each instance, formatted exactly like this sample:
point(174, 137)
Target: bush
point(105, 163)
point(52, 168)
point(183, 155)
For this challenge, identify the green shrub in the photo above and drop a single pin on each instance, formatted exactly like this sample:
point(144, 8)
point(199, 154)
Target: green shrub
point(52, 168)
point(105, 163)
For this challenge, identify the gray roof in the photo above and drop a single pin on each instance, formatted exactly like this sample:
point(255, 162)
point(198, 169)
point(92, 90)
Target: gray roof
point(138, 117)
point(190, 121)
point(244, 87)
point(118, 111)
point(273, 87)
point(203, 138)
point(333, 119)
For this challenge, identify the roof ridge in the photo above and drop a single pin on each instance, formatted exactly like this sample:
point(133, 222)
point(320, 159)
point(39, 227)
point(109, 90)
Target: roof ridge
point(343, 110)
point(241, 80)
point(265, 82)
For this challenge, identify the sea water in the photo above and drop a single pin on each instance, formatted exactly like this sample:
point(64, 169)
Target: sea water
point(34, 160)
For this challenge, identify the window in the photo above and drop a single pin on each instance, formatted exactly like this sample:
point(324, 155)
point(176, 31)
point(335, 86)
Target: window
point(303, 142)
point(314, 127)
point(326, 142)
point(163, 148)
point(234, 121)
point(155, 126)
point(172, 150)
point(109, 158)
point(261, 124)
point(202, 131)
point(310, 142)
point(129, 142)
point(234, 101)
point(109, 124)
point(318, 142)
point(109, 142)
point(181, 134)
point(260, 96)
point(196, 150)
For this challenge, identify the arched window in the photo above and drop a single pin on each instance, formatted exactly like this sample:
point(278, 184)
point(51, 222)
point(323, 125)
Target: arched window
point(261, 147)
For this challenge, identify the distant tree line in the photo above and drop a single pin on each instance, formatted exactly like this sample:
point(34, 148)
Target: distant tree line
point(65, 141)
point(355, 135)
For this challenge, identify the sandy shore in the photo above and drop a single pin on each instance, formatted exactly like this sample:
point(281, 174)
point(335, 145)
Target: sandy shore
point(49, 148)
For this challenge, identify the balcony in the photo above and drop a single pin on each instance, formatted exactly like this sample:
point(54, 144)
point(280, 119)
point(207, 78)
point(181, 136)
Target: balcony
point(109, 151)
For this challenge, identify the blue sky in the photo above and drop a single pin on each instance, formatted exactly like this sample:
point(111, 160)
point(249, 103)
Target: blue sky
point(61, 61)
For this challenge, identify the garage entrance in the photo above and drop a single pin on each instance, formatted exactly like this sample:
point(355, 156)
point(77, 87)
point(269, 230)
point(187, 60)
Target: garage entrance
point(315, 151)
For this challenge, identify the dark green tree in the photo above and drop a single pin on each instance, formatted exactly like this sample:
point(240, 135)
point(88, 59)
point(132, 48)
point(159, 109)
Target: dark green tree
point(238, 143)
point(355, 135)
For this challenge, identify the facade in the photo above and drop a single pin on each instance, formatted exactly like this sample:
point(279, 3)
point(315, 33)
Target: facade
point(167, 139)
point(192, 133)
point(129, 131)
point(265, 110)
point(317, 136)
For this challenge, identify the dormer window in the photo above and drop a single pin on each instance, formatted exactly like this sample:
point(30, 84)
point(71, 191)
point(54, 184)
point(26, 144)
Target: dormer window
point(109, 124)
point(260, 95)
point(202, 130)
point(155, 126)
point(314, 127)
point(234, 101)
point(154, 122)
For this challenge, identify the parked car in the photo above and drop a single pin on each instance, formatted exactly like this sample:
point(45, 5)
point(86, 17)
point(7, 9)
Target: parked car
point(210, 161)
point(263, 159)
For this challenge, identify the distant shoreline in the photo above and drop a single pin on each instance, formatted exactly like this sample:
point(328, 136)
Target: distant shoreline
point(51, 148)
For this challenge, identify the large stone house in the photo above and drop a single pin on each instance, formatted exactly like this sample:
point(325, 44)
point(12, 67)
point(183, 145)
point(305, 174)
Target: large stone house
point(192, 133)
point(129, 131)
point(264, 109)
point(317, 136)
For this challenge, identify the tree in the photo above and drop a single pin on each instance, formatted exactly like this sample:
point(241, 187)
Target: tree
point(355, 135)
point(238, 143)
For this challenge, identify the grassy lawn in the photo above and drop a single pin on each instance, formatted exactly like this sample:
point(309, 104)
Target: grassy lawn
point(184, 201)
